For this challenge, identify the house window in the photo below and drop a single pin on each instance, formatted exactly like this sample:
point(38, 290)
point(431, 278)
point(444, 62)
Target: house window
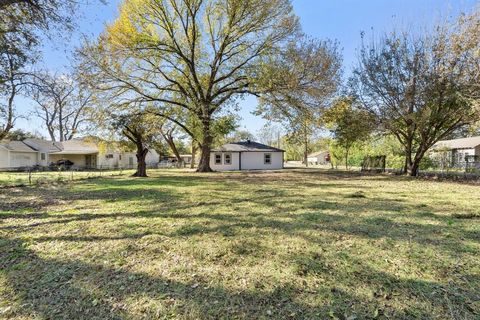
point(227, 159)
point(109, 156)
point(267, 158)
point(42, 156)
point(218, 158)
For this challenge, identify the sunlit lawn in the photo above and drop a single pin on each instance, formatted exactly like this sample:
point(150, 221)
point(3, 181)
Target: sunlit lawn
point(299, 244)
point(9, 179)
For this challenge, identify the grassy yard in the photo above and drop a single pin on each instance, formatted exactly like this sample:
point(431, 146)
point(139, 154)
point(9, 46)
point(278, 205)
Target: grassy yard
point(297, 244)
point(12, 179)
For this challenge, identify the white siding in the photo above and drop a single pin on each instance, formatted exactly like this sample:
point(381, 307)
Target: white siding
point(249, 161)
point(104, 162)
point(22, 159)
point(152, 157)
point(255, 161)
point(224, 167)
point(3, 158)
point(44, 162)
point(477, 151)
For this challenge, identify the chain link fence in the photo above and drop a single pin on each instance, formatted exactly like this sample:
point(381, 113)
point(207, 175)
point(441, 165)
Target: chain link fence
point(32, 176)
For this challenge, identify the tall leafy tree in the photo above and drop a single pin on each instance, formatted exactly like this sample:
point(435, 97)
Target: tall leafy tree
point(12, 82)
point(22, 24)
point(421, 87)
point(63, 104)
point(299, 85)
point(349, 125)
point(140, 130)
point(199, 55)
point(14, 58)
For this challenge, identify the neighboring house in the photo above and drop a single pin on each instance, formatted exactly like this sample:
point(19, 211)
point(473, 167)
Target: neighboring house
point(320, 157)
point(118, 159)
point(82, 154)
point(17, 154)
point(246, 155)
point(457, 152)
point(186, 158)
point(43, 153)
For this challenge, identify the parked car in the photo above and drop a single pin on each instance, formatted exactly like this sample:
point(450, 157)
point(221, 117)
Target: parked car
point(61, 164)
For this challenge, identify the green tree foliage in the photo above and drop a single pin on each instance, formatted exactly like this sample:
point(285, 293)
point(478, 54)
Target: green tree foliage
point(349, 126)
point(14, 57)
point(422, 88)
point(300, 83)
point(198, 55)
point(19, 135)
point(140, 130)
point(22, 22)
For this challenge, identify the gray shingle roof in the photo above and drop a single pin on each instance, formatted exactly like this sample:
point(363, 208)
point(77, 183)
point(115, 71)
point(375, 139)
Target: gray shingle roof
point(65, 147)
point(77, 147)
point(318, 153)
point(462, 143)
point(43, 145)
point(17, 146)
point(246, 146)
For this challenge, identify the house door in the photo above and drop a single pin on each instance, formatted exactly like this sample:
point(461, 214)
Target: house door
point(130, 162)
point(91, 161)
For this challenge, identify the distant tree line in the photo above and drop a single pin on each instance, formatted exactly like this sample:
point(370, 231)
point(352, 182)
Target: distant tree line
point(169, 75)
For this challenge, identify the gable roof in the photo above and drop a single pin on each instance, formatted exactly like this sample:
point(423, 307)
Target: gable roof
point(42, 145)
point(246, 146)
point(77, 147)
point(462, 143)
point(17, 146)
point(65, 147)
point(318, 153)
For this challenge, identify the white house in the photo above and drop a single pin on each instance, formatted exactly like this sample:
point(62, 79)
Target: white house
point(320, 157)
point(246, 155)
point(39, 152)
point(17, 154)
point(458, 152)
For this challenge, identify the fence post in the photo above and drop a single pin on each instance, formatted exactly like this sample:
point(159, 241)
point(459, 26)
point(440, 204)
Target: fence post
point(30, 176)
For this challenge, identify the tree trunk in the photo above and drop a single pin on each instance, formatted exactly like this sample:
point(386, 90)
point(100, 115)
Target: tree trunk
point(141, 163)
point(305, 151)
point(171, 143)
point(194, 150)
point(9, 123)
point(60, 123)
point(408, 158)
point(346, 159)
point(204, 165)
point(415, 164)
point(413, 169)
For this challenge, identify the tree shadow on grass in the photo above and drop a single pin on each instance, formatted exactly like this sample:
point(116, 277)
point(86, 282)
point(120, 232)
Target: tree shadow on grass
point(57, 289)
point(310, 226)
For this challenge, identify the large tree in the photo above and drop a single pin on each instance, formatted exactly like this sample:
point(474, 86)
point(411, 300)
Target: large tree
point(299, 84)
point(63, 104)
point(22, 25)
point(421, 87)
point(13, 77)
point(140, 130)
point(199, 55)
point(349, 125)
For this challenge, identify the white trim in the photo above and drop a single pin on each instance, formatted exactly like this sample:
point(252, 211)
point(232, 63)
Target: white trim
point(269, 154)
point(229, 154)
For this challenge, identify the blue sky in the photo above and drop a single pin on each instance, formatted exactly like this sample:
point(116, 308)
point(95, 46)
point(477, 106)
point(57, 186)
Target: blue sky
point(334, 19)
